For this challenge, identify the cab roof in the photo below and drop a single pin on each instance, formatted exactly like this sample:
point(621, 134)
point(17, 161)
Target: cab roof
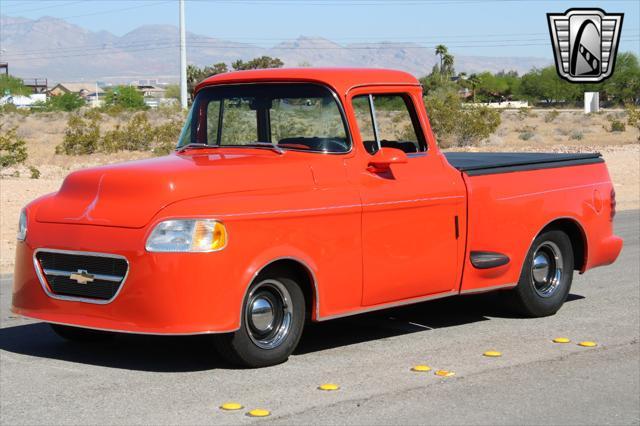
point(340, 79)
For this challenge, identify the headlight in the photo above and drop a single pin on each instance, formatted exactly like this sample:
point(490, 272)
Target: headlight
point(22, 226)
point(187, 235)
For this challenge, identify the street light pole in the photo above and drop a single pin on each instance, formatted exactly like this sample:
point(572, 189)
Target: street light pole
point(183, 59)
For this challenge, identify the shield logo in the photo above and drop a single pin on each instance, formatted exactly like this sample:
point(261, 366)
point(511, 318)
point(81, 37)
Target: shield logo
point(585, 43)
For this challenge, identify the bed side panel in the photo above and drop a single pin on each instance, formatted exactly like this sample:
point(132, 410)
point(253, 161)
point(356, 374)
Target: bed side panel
point(506, 212)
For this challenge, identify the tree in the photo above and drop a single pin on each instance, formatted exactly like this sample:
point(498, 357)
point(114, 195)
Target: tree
point(64, 102)
point(127, 97)
point(257, 63)
point(624, 85)
point(473, 82)
point(13, 86)
point(195, 75)
point(544, 84)
point(441, 50)
point(447, 66)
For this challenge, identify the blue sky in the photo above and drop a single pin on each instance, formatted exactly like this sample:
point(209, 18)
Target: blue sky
point(469, 27)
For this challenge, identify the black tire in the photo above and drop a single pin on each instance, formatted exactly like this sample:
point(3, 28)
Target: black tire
point(244, 347)
point(535, 297)
point(77, 334)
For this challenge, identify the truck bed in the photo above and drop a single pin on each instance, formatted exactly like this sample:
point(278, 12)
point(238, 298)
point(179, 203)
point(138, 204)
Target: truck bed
point(484, 163)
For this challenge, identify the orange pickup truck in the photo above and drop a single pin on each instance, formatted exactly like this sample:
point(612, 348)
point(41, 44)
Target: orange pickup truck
point(305, 194)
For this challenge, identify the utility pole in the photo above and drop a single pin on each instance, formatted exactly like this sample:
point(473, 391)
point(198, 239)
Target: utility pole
point(183, 59)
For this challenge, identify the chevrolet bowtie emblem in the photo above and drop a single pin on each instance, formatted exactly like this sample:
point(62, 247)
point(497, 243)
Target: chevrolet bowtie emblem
point(82, 277)
point(585, 43)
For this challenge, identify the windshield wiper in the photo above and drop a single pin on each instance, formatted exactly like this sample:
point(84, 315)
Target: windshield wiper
point(269, 145)
point(195, 146)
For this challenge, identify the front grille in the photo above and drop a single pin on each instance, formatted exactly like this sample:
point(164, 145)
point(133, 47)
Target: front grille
point(97, 277)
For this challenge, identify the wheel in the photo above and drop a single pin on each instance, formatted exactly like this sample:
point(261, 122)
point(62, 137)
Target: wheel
point(546, 276)
point(77, 334)
point(273, 316)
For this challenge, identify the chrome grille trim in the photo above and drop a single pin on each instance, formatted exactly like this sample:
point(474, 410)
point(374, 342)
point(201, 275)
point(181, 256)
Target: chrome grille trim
point(45, 286)
point(101, 277)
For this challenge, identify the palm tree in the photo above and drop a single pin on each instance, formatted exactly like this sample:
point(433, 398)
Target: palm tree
point(447, 69)
point(441, 50)
point(474, 81)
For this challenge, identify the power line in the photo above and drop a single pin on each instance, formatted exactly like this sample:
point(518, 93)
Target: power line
point(46, 7)
point(214, 43)
point(204, 45)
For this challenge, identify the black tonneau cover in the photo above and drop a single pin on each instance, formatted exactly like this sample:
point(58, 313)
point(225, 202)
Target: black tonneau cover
point(484, 163)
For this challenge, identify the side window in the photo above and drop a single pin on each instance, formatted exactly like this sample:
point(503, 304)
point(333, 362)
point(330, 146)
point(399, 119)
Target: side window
point(365, 123)
point(395, 123)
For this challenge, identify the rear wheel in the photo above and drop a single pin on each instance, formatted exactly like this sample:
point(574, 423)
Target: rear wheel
point(547, 273)
point(273, 317)
point(77, 334)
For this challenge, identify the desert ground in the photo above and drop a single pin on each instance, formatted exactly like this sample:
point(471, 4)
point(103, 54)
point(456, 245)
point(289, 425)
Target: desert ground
point(569, 131)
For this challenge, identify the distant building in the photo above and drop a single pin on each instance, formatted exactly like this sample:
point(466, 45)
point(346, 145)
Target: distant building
point(86, 91)
point(23, 101)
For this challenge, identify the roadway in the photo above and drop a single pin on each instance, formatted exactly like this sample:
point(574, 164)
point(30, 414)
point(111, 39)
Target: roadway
point(168, 380)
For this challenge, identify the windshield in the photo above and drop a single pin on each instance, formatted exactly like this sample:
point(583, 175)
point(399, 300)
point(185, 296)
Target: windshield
point(303, 117)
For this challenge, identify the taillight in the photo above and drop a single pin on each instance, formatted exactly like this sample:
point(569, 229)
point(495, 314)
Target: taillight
point(613, 203)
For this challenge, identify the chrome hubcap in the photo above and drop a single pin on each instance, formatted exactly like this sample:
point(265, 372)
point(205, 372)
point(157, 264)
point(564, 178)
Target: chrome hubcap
point(262, 314)
point(268, 314)
point(546, 269)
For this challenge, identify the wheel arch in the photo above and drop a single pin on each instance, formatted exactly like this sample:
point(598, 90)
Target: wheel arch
point(301, 273)
point(577, 235)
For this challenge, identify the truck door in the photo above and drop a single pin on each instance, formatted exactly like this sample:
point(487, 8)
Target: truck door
point(410, 216)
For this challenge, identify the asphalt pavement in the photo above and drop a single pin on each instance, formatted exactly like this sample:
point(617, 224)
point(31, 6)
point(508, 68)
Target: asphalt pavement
point(171, 380)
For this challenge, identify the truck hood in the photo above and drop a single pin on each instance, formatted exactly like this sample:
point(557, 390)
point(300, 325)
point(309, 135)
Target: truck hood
point(130, 194)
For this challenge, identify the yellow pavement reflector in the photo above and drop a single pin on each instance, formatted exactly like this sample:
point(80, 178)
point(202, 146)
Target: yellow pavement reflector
point(329, 387)
point(588, 344)
point(259, 412)
point(231, 406)
point(492, 354)
point(421, 368)
point(561, 340)
point(445, 373)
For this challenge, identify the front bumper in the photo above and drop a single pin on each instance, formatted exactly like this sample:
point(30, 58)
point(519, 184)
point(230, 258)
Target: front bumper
point(164, 293)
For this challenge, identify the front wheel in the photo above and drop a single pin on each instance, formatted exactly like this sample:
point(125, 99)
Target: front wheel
point(273, 317)
point(546, 276)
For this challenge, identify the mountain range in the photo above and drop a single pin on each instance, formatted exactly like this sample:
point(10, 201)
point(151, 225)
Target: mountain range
point(60, 51)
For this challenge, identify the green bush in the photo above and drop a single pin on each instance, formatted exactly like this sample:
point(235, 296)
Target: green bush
point(125, 97)
point(443, 107)
point(13, 85)
point(80, 137)
point(13, 149)
point(466, 125)
point(476, 123)
point(65, 102)
point(166, 137)
point(617, 126)
point(551, 115)
point(139, 135)
point(576, 135)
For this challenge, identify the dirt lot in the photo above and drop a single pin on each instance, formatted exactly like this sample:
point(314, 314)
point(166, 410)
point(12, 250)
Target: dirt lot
point(570, 131)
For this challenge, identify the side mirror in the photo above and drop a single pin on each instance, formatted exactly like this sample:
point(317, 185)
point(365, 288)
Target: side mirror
point(383, 159)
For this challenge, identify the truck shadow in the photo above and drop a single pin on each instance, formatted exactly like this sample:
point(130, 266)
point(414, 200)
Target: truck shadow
point(195, 353)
